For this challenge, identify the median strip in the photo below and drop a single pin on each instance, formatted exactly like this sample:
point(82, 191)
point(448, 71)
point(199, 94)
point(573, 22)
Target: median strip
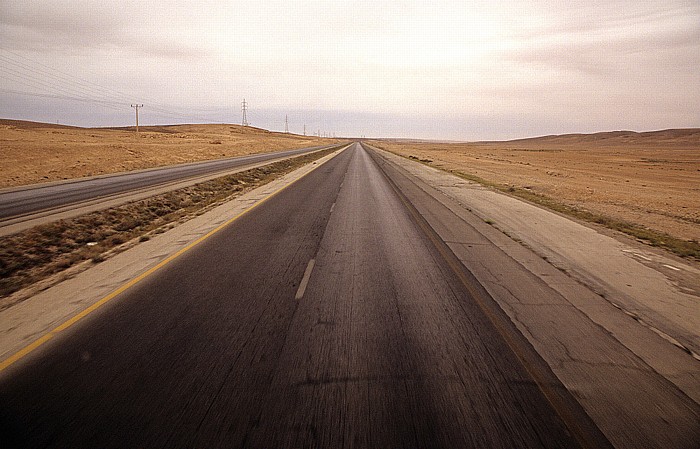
point(42, 256)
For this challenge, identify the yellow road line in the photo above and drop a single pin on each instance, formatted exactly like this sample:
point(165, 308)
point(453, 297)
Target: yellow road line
point(71, 321)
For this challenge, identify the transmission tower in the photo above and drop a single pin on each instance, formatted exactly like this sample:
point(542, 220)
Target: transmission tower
point(244, 108)
point(137, 106)
point(286, 124)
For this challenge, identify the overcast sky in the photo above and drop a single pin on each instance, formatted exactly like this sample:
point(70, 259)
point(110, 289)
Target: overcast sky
point(426, 69)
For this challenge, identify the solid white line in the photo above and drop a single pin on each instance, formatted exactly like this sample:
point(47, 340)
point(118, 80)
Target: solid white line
point(305, 279)
point(332, 207)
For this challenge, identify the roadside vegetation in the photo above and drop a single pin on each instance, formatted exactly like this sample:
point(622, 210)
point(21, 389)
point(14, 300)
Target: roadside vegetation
point(685, 248)
point(75, 244)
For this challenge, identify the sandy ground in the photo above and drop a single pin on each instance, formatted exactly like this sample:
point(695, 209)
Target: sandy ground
point(36, 152)
point(652, 179)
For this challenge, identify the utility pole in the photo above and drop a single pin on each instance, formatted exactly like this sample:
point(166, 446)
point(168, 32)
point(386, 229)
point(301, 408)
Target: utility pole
point(137, 106)
point(286, 124)
point(244, 108)
point(304, 128)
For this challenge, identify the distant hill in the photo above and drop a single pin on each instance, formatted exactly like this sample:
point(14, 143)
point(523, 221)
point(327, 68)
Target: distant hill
point(168, 129)
point(667, 136)
point(24, 124)
point(688, 136)
point(41, 152)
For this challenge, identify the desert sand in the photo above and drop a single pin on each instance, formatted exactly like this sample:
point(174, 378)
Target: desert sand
point(38, 152)
point(651, 179)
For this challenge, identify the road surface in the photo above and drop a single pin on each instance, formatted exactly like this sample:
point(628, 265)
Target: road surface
point(23, 205)
point(327, 317)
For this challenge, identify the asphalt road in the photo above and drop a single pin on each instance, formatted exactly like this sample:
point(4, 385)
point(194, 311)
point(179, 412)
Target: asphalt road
point(36, 198)
point(327, 317)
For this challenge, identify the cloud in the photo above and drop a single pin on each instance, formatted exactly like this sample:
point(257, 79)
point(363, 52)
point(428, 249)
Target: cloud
point(525, 64)
point(76, 26)
point(600, 39)
point(60, 24)
point(602, 62)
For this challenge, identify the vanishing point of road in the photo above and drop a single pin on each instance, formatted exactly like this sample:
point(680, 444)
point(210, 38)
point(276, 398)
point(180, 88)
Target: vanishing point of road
point(326, 317)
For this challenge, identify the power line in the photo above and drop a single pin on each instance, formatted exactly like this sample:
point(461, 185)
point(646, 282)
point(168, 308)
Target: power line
point(72, 81)
point(59, 80)
point(53, 83)
point(51, 91)
point(109, 104)
point(31, 81)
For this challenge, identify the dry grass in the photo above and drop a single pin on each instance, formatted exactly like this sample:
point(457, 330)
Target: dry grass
point(39, 152)
point(683, 248)
point(644, 184)
point(45, 250)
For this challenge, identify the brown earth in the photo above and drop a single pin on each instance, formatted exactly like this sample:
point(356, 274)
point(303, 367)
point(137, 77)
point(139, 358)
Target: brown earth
point(38, 152)
point(48, 253)
point(650, 179)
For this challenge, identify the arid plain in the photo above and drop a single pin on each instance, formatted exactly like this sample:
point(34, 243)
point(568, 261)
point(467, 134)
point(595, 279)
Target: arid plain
point(650, 179)
point(38, 152)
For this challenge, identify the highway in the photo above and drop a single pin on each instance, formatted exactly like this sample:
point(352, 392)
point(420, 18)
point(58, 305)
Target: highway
point(23, 205)
point(327, 317)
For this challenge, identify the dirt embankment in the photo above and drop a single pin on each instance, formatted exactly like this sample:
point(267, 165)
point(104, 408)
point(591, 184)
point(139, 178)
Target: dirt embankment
point(38, 152)
point(45, 254)
point(650, 179)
